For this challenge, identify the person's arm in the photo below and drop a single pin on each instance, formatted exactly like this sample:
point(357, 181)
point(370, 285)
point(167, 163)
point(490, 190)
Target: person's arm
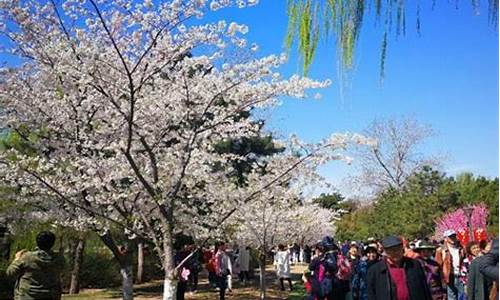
point(488, 266)
point(16, 268)
point(439, 257)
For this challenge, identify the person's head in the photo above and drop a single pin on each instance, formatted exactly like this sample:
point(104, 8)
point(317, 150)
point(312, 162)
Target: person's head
point(353, 250)
point(281, 247)
point(488, 247)
point(473, 248)
point(393, 248)
point(328, 243)
point(220, 246)
point(395, 254)
point(426, 253)
point(424, 248)
point(319, 248)
point(482, 245)
point(371, 253)
point(380, 247)
point(450, 238)
point(45, 240)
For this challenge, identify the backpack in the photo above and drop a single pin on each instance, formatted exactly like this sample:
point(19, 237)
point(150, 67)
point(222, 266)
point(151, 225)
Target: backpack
point(322, 285)
point(344, 268)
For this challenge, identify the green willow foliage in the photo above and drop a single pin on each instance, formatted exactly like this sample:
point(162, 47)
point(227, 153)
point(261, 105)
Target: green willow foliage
point(343, 19)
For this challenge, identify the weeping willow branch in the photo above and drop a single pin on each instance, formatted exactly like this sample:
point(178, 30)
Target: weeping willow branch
point(308, 20)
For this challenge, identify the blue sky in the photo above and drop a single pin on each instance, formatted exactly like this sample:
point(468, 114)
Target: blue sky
point(446, 78)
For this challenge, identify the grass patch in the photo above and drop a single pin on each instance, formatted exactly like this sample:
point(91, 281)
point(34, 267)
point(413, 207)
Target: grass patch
point(87, 295)
point(298, 292)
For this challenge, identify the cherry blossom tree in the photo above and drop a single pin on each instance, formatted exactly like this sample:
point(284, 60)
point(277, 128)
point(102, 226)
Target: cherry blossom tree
point(264, 224)
point(122, 103)
point(277, 215)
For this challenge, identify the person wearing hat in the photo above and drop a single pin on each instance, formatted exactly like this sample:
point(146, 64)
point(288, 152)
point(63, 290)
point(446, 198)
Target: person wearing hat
point(432, 271)
point(450, 257)
point(397, 277)
point(408, 249)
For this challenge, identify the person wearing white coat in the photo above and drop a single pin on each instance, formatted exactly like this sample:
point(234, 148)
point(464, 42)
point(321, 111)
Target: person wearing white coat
point(282, 265)
point(243, 261)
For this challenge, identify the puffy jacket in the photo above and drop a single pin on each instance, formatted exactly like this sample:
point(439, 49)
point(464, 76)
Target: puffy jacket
point(38, 275)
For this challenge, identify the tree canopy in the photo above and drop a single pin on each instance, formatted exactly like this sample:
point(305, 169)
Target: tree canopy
point(412, 211)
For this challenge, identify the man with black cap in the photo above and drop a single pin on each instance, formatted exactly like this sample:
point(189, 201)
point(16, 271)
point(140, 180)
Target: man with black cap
point(397, 277)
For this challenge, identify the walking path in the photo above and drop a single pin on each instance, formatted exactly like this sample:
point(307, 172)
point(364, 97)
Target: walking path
point(152, 290)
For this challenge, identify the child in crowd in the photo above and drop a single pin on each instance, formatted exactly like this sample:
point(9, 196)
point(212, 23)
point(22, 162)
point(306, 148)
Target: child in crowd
point(311, 286)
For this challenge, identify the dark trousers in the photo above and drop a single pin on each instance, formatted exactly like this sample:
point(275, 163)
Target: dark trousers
point(283, 285)
point(336, 296)
point(244, 275)
point(181, 289)
point(193, 280)
point(340, 290)
point(222, 285)
point(212, 279)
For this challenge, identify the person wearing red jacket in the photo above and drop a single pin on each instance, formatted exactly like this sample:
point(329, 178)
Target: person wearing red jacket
point(209, 260)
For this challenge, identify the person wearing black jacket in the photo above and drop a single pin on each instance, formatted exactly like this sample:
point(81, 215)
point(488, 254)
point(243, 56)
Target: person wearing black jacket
point(326, 260)
point(484, 270)
point(396, 277)
point(488, 264)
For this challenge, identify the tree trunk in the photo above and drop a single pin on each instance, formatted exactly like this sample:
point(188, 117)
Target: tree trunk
point(77, 263)
point(127, 282)
point(140, 262)
point(169, 289)
point(170, 280)
point(262, 274)
point(124, 257)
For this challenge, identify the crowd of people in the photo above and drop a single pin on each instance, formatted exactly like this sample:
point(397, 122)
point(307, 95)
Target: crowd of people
point(223, 264)
point(387, 269)
point(395, 269)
